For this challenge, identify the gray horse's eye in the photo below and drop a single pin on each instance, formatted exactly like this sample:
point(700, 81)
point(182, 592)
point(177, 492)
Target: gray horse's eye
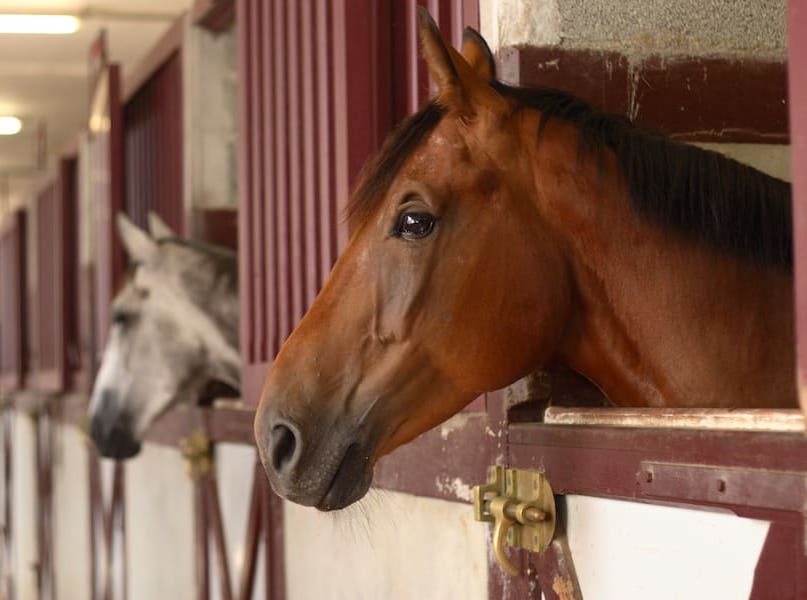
point(123, 318)
point(414, 225)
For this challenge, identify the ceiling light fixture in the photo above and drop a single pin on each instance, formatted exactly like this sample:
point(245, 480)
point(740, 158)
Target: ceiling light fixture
point(10, 125)
point(48, 24)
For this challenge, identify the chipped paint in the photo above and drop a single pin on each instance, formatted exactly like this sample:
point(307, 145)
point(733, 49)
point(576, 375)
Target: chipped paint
point(456, 486)
point(493, 433)
point(455, 423)
point(563, 588)
point(802, 388)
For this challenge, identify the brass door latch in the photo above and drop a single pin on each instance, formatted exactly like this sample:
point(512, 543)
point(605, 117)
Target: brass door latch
point(521, 506)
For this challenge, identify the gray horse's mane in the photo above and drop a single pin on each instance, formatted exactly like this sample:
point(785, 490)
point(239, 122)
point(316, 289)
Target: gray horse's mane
point(223, 261)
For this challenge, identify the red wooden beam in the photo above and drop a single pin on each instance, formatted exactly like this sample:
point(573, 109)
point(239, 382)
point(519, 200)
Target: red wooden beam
point(797, 79)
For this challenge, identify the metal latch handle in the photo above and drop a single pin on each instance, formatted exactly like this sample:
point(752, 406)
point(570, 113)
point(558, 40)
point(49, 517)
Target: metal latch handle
point(522, 508)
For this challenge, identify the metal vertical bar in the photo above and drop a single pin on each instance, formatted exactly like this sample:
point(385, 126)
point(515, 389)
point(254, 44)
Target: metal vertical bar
point(267, 173)
point(281, 204)
point(257, 198)
point(308, 201)
point(294, 201)
point(183, 227)
point(326, 182)
point(118, 509)
point(96, 524)
point(217, 527)
point(272, 521)
point(246, 216)
point(202, 540)
point(254, 526)
point(412, 68)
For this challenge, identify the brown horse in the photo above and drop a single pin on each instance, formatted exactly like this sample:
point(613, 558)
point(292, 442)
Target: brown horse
point(501, 229)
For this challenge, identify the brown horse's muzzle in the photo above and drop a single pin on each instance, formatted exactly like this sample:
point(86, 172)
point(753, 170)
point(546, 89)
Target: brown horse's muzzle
point(314, 461)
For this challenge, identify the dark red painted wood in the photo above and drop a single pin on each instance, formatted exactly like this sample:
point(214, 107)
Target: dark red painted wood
point(216, 226)
point(53, 338)
point(779, 560)
point(7, 530)
point(692, 98)
point(797, 67)
point(214, 15)
point(13, 302)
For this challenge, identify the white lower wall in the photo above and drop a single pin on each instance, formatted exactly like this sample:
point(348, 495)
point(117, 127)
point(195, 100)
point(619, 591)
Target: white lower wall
point(628, 550)
point(159, 526)
point(234, 473)
point(23, 518)
point(392, 546)
point(71, 515)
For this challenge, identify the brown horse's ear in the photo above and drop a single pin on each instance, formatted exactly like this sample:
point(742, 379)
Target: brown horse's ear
point(477, 54)
point(436, 53)
point(462, 86)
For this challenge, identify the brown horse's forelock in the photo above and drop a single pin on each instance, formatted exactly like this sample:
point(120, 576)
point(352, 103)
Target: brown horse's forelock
point(378, 173)
point(693, 192)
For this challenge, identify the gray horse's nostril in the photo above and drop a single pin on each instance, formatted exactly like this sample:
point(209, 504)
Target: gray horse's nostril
point(284, 448)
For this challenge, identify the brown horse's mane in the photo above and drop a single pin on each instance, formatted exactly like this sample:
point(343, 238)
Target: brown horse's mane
point(693, 192)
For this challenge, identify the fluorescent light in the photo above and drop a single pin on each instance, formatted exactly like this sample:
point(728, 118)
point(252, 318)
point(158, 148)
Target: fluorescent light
point(14, 23)
point(10, 125)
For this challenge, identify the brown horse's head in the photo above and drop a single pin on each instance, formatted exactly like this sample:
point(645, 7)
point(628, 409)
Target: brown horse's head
point(450, 286)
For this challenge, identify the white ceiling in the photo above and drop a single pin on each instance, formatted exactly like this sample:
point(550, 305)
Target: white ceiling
point(44, 78)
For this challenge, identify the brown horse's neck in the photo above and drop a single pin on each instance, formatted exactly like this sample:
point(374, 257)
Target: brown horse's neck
point(661, 320)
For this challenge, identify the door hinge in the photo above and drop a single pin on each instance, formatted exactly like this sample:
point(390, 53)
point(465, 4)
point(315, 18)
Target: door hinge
point(521, 506)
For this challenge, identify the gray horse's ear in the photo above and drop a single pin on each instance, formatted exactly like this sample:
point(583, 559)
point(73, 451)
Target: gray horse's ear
point(137, 243)
point(158, 228)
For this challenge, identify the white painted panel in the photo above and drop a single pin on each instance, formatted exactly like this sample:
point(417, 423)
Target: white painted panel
point(24, 505)
point(234, 468)
point(773, 159)
point(159, 526)
point(210, 100)
point(392, 546)
point(71, 517)
point(626, 550)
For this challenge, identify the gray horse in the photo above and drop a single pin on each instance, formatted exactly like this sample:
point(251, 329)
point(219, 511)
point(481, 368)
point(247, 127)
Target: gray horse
point(174, 330)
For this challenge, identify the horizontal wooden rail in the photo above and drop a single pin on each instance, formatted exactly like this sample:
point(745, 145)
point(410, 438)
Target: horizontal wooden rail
point(785, 420)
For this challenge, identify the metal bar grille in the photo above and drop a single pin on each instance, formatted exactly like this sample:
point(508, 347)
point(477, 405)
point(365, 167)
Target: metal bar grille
point(315, 102)
point(47, 346)
point(152, 137)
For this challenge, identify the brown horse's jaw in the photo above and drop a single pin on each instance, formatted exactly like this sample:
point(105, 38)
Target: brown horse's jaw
point(350, 482)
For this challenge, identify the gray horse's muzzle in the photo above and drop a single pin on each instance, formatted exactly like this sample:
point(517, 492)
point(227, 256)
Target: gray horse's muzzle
point(111, 429)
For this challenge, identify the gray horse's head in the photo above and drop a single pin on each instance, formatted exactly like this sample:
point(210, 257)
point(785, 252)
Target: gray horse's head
point(174, 330)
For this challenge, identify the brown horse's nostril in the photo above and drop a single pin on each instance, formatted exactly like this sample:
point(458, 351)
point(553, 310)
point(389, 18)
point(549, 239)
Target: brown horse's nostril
point(284, 448)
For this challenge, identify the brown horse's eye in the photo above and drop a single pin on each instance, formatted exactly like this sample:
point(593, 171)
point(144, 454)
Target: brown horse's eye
point(414, 225)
